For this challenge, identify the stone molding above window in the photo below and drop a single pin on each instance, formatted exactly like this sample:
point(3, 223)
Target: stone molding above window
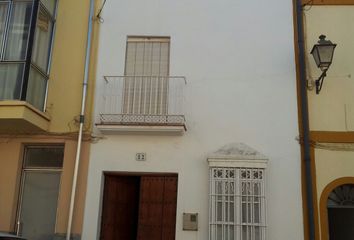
point(237, 155)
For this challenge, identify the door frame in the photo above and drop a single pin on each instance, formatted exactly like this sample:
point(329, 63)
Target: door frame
point(140, 174)
point(23, 170)
point(132, 174)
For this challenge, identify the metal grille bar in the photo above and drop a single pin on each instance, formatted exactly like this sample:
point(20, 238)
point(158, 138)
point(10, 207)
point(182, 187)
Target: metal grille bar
point(142, 100)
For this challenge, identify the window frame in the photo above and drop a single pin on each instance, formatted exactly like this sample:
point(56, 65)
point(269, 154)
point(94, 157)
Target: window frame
point(235, 198)
point(28, 63)
point(4, 37)
point(38, 169)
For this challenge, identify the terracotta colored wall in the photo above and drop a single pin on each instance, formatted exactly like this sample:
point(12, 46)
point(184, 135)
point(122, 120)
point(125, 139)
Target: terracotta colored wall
point(10, 169)
point(10, 172)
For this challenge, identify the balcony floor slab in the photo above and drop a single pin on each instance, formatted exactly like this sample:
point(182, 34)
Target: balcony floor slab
point(19, 117)
point(141, 129)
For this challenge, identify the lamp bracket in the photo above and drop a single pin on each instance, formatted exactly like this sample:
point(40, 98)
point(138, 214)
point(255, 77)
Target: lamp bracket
point(319, 81)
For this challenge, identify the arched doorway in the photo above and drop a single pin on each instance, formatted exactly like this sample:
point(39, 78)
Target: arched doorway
point(340, 210)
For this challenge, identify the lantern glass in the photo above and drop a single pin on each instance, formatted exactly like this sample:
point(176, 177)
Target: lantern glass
point(323, 53)
point(316, 55)
point(326, 54)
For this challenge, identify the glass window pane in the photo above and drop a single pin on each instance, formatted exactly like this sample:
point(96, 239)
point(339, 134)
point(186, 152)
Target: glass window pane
point(256, 212)
point(257, 233)
point(244, 213)
point(232, 233)
point(218, 188)
point(50, 5)
point(18, 31)
point(219, 211)
point(10, 80)
point(49, 157)
point(36, 89)
point(246, 232)
point(42, 40)
point(231, 211)
point(3, 15)
point(219, 232)
point(39, 205)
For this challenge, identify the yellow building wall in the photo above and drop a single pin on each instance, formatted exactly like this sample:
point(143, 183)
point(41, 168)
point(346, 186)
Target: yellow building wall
point(67, 67)
point(333, 108)
point(63, 110)
point(11, 159)
point(330, 166)
point(10, 171)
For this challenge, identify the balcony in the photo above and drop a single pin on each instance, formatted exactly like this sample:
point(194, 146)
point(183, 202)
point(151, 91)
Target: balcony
point(142, 104)
point(19, 117)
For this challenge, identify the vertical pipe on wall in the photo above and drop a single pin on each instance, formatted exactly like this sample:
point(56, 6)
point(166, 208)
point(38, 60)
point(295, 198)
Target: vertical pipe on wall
point(304, 139)
point(83, 103)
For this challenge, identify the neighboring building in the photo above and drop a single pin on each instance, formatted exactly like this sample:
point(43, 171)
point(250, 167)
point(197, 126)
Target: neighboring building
point(331, 120)
point(183, 87)
point(42, 58)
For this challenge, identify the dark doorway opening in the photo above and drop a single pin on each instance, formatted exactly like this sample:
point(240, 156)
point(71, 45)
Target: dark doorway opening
point(341, 223)
point(139, 207)
point(340, 206)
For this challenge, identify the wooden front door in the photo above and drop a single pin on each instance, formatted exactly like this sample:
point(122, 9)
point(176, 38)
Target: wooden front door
point(157, 210)
point(120, 211)
point(139, 208)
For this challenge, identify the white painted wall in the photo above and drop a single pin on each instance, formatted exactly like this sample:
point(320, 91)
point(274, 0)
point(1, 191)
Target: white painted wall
point(238, 58)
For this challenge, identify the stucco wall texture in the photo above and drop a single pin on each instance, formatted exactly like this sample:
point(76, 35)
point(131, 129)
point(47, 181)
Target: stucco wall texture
point(238, 58)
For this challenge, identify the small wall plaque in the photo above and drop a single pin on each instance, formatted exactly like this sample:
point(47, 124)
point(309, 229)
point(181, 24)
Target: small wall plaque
point(140, 157)
point(190, 221)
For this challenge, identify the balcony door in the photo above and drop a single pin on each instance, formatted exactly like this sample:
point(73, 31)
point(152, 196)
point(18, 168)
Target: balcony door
point(146, 75)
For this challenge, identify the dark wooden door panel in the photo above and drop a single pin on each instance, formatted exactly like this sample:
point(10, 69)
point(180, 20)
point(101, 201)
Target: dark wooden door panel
point(150, 208)
point(107, 226)
point(169, 208)
point(120, 208)
point(157, 208)
point(139, 208)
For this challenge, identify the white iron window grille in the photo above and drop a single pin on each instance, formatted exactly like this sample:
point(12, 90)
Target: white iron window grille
point(237, 204)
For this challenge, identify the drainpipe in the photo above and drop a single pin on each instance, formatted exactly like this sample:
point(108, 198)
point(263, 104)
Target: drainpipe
point(305, 139)
point(83, 102)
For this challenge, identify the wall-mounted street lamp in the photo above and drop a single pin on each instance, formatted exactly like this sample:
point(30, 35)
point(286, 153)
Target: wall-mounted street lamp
point(322, 52)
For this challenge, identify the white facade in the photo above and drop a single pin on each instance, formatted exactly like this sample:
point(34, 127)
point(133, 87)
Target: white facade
point(238, 59)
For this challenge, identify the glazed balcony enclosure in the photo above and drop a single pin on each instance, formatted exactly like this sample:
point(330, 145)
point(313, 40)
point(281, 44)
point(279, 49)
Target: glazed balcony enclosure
point(26, 37)
point(142, 104)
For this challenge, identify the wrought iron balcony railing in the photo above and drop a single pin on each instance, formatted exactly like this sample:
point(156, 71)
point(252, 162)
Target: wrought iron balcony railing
point(142, 100)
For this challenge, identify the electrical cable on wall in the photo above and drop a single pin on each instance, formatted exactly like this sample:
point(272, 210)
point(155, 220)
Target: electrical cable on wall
point(309, 4)
point(347, 147)
point(99, 17)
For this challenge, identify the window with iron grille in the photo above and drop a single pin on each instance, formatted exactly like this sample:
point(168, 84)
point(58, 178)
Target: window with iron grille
point(146, 75)
point(26, 30)
point(237, 204)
